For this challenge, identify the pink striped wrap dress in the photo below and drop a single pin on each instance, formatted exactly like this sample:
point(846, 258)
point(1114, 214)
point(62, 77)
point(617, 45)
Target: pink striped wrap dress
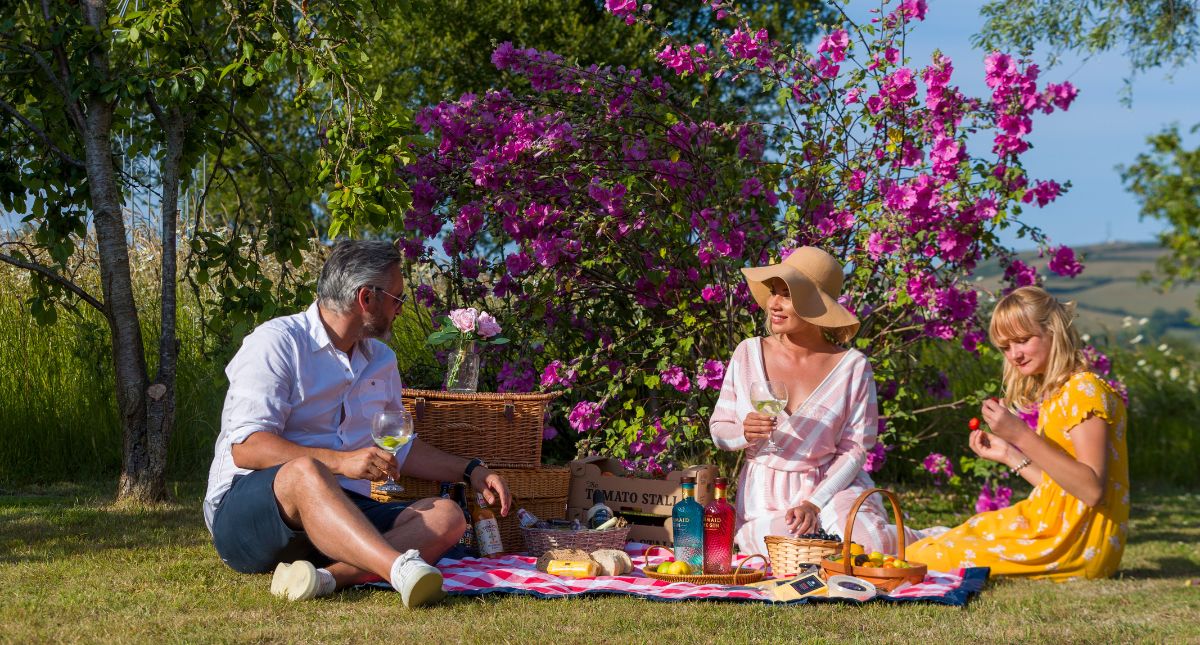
point(824, 443)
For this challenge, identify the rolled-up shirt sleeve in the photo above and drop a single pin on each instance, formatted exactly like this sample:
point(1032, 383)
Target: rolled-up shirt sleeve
point(261, 378)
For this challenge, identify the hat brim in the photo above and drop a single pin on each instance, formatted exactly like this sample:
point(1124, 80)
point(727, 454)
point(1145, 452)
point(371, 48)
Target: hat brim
point(809, 301)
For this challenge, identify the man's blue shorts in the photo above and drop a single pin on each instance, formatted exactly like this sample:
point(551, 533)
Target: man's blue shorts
point(251, 536)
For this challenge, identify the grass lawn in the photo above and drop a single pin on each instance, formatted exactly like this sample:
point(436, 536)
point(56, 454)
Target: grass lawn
point(73, 568)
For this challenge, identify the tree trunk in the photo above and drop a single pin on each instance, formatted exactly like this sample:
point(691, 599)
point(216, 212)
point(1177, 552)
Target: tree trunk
point(137, 482)
point(160, 414)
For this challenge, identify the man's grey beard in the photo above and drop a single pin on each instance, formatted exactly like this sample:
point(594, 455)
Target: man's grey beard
point(373, 329)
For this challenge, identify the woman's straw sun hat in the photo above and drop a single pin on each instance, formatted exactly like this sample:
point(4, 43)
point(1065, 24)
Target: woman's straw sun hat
point(814, 279)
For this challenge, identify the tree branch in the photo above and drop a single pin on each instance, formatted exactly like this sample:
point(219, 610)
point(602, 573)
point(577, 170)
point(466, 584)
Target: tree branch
point(41, 134)
point(53, 276)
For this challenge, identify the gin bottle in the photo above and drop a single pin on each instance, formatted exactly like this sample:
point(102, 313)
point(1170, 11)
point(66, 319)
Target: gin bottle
point(718, 532)
point(687, 523)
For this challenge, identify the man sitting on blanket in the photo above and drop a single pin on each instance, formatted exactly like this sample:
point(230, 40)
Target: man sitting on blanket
point(289, 481)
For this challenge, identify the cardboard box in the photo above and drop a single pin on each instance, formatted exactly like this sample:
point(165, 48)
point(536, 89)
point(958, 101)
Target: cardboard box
point(624, 493)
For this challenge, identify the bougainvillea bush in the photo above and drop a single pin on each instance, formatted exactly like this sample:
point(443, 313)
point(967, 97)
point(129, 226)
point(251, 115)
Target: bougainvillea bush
point(603, 215)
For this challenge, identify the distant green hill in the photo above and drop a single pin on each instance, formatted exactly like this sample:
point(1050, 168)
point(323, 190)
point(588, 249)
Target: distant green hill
point(1111, 289)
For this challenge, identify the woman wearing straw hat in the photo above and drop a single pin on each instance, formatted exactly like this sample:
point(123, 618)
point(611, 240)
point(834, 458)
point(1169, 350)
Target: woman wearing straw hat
point(804, 466)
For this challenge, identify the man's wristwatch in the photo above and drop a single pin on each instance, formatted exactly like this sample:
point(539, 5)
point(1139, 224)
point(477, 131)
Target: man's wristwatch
point(471, 466)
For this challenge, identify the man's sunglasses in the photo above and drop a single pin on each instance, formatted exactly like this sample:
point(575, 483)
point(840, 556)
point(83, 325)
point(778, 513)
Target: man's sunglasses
point(400, 299)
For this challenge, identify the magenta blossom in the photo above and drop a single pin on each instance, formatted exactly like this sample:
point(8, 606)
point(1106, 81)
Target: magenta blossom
point(585, 416)
point(993, 499)
point(939, 466)
point(1064, 263)
point(675, 377)
point(875, 457)
point(557, 374)
point(711, 375)
point(712, 293)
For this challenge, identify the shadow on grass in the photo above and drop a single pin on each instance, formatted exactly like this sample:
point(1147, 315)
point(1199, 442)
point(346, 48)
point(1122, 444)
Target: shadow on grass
point(1167, 567)
point(43, 528)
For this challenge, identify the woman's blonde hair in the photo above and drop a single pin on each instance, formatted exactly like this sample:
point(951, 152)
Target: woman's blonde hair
point(1031, 311)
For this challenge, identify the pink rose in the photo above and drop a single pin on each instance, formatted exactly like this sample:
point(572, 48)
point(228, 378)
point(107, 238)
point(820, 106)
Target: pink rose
point(464, 319)
point(488, 326)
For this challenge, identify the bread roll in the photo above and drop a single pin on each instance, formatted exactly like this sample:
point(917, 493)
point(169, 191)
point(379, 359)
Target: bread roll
point(613, 562)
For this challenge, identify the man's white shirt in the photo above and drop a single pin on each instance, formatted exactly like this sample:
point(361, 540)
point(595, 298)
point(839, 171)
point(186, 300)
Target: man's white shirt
point(288, 379)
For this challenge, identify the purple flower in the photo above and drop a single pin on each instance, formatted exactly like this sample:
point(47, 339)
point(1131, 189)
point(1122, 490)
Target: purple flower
point(516, 377)
point(711, 375)
point(1020, 274)
point(712, 293)
point(993, 500)
point(426, 295)
point(488, 326)
point(875, 457)
point(675, 377)
point(1064, 263)
point(549, 432)
point(556, 374)
point(1097, 360)
point(584, 416)
point(939, 466)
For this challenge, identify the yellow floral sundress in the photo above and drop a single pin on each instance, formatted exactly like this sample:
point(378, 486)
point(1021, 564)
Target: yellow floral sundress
point(1051, 534)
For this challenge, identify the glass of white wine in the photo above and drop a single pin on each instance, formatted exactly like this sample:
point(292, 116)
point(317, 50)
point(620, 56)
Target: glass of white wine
point(769, 397)
point(391, 430)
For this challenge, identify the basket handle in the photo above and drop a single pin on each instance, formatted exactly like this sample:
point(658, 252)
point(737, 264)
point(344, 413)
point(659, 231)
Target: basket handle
point(646, 555)
point(419, 407)
point(738, 571)
point(847, 561)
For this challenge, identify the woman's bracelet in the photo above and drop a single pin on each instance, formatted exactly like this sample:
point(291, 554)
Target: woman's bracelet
point(1016, 470)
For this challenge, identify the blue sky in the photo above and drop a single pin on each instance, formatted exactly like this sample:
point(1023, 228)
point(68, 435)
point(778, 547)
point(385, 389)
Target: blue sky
point(1083, 145)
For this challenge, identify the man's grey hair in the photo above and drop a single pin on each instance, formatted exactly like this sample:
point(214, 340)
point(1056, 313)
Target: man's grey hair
point(354, 264)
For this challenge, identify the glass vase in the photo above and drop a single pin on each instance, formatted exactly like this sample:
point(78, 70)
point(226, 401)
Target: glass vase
point(462, 369)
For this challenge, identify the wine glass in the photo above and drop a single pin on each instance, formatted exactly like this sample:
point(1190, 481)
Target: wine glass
point(769, 397)
point(391, 430)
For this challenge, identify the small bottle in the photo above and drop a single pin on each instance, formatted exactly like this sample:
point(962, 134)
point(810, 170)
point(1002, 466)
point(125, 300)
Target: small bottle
point(468, 538)
point(599, 513)
point(526, 519)
point(718, 531)
point(573, 568)
point(687, 524)
point(487, 530)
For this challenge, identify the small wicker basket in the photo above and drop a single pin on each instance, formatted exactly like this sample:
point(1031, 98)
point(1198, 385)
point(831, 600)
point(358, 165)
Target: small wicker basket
point(884, 579)
point(789, 555)
point(738, 577)
point(539, 541)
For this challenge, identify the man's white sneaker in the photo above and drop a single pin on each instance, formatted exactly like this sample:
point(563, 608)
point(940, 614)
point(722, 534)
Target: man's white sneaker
point(295, 581)
point(419, 584)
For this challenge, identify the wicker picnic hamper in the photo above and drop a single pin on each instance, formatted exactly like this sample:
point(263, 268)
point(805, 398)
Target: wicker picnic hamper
point(789, 555)
point(503, 429)
point(885, 579)
point(738, 577)
point(539, 541)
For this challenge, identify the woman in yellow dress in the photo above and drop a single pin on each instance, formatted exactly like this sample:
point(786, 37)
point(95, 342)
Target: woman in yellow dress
point(1075, 522)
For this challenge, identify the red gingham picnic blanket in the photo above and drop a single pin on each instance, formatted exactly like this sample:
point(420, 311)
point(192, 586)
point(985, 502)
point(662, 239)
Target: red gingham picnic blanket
point(516, 574)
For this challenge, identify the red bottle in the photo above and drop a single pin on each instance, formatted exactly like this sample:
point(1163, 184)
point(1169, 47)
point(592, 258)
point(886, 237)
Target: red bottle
point(718, 532)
